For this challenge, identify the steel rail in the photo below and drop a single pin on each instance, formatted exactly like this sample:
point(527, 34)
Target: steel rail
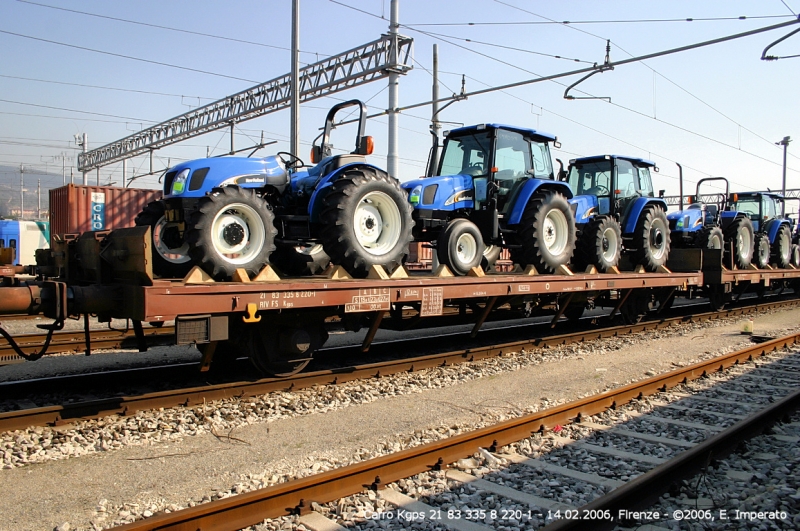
point(75, 341)
point(240, 511)
point(129, 405)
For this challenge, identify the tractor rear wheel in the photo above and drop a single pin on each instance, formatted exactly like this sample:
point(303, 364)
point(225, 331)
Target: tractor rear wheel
point(795, 255)
point(651, 239)
point(740, 232)
point(600, 244)
point(460, 246)
point(761, 250)
point(231, 229)
point(546, 233)
point(299, 260)
point(366, 221)
point(170, 255)
point(782, 247)
point(710, 238)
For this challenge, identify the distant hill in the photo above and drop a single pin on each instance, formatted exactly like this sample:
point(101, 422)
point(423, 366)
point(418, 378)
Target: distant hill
point(9, 191)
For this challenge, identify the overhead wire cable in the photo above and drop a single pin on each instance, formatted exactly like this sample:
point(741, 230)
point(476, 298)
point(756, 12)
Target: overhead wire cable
point(149, 92)
point(617, 21)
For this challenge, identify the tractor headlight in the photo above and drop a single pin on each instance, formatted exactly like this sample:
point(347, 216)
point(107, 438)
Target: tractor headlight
point(179, 182)
point(415, 195)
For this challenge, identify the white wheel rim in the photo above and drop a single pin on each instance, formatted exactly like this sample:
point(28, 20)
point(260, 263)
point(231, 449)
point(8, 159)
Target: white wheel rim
point(377, 223)
point(466, 248)
point(309, 250)
point(555, 228)
point(250, 234)
point(657, 239)
point(488, 250)
point(175, 256)
point(743, 243)
point(609, 245)
point(715, 242)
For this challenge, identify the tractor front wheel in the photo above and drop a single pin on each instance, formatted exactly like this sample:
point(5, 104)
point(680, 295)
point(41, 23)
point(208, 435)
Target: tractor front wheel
point(170, 254)
point(231, 229)
point(546, 233)
point(651, 239)
point(710, 238)
point(761, 250)
point(600, 245)
point(460, 246)
point(366, 221)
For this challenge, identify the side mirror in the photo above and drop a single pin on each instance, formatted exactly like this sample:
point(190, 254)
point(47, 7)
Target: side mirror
point(366, 145)
point(661, 193)
point(316, 154)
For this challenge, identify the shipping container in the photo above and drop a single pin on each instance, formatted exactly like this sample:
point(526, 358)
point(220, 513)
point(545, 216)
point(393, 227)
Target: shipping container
point(78, 208)
point(23, 238)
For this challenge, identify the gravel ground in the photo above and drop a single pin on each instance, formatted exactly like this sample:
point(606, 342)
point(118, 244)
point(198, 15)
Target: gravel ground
point(167, 459)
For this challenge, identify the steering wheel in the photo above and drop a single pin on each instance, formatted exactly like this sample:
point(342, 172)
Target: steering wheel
point(602, 189)
point(291, 162)
point(474, 170)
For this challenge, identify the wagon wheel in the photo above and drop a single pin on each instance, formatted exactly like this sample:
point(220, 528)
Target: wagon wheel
point(281, 350)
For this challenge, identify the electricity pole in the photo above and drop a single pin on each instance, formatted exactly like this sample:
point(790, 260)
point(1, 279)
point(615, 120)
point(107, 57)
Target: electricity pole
point(294, 141)
point(82, 141)
point(394, 95)
point(785, 144)
point(21, 192)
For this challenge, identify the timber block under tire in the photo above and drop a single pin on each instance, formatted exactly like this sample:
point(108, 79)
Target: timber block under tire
point(167, 263)
point(740, 232)
point(231, 229)
point(600, 245)
point(651, 239)
point(546, 233)
point(366, 221)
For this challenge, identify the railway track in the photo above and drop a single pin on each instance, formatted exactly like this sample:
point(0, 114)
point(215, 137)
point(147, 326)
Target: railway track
point(73, 410)
point(554, 468)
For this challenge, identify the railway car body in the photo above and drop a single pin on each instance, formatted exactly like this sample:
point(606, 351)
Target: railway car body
point(24, 238)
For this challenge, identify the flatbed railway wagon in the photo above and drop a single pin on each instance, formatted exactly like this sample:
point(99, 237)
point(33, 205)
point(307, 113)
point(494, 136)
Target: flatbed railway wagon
point(279, 322)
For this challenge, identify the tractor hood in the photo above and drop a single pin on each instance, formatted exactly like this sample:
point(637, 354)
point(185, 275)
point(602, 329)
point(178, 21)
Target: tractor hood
point(444, 192)
point(197, 178)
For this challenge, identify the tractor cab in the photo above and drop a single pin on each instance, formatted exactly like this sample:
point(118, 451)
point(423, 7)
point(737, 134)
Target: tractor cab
point(760, 207)
point(489, 181)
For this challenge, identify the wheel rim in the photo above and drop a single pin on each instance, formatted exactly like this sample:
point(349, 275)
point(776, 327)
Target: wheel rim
point(609, 245)
point(309, 250)
point(657, 241)
point(174, 256)
point(466, 248)
point(715, 242)
point(555, 232)
point(488, 250)
point(743, 243)
point(377, 223)
point(238, 233)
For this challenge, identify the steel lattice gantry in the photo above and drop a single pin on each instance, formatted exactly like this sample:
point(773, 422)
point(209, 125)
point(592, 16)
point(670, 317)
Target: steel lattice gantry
point(713, 198)
point(354, 67)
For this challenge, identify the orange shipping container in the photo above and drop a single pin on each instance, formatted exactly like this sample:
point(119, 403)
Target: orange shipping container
point(78, 208)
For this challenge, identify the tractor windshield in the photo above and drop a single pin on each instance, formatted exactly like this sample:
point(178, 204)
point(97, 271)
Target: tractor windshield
point(591, 178)
point(466, 154)
point(750, 205)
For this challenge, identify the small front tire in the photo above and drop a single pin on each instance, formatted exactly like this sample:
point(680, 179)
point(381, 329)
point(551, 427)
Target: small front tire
point(460, 246)
point(600, 244)
point(761, 251)
point(168, 262)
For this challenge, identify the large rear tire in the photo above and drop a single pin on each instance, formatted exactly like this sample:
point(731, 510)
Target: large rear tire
point(299, 260)
point(600, 244)
point(546, 233)
point(782, 247)
point(761, 250)
point(651, 239)
point(740, 232)
point(460, 246)
point(366, 221)
point(170, 255)
point(231, 229)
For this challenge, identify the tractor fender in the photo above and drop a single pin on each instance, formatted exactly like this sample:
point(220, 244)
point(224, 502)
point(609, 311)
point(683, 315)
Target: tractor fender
point(635, 211)
point(316, 203)
point(530, 187)
point(726, 217)
point(773, 226)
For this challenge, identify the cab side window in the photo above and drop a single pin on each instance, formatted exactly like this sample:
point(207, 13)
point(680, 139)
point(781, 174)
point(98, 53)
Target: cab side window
point(627, 178)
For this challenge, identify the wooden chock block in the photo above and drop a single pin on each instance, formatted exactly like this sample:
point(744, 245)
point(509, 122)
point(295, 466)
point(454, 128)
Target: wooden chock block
point(240, 275)
point(752, 266)
point(400, 272)
point(339, 273)
point(615, 270)
point(663, 269)
point(564, 270)
point(443, 271)
point(591, 270)
point(530, 271)
point(268, 274)
point(197, 276)
point(378, 272)
point(476, 271)
point(640, 269)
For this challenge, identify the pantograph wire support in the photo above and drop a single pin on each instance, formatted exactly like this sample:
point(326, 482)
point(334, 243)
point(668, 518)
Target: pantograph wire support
point(765, 57)
point(598, 70)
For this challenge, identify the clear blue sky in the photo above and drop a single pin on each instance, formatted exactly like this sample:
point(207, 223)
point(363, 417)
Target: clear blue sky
point(717, 110)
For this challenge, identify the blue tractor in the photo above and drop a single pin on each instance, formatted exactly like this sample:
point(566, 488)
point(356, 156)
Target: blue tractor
point(773, 233)
point(711, 222)
point(494, 188)
point(616, 212)
point(231, 213)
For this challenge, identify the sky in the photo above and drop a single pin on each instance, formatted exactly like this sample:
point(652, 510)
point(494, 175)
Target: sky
point(109, 69)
